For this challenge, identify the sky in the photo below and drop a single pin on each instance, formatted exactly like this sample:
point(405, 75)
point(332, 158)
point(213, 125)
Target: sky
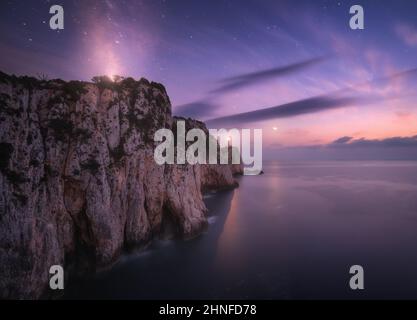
point(321, 80)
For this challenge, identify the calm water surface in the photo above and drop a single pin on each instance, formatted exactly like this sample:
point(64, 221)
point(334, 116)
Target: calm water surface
point(291, 233)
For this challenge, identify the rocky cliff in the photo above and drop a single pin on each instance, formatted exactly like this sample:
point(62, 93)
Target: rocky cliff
point(78, 181)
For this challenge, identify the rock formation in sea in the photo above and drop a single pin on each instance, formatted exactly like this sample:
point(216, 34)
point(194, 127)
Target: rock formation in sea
point(78, 181)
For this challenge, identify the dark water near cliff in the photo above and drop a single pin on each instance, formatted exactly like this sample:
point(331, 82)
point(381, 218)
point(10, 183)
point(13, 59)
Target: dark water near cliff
point(293, 232)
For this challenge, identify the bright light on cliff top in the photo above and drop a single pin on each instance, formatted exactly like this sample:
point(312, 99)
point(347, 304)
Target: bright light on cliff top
point(274, 128)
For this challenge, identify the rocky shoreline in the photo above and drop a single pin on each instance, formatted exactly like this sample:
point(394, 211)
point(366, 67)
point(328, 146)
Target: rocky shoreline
point(79, 184)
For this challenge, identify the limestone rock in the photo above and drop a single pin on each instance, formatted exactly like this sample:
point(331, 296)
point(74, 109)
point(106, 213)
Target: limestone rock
point(78, 182)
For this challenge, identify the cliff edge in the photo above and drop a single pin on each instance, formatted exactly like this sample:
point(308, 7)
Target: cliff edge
point(78, 181)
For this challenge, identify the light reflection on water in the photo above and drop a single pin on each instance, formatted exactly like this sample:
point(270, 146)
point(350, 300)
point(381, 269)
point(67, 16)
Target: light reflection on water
point(292, 232)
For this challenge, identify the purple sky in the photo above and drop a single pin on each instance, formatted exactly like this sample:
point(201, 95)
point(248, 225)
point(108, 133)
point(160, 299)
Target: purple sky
point(193, 46)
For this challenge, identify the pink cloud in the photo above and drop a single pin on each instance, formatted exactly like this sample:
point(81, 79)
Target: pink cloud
point(404, 114)
point(407, 33)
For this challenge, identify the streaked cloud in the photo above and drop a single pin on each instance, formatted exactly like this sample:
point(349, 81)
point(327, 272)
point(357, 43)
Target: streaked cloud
point(344, 97)
point(347, 148)
point(296, 108)
point(197, 109)
point(349, 142)
point(343, 140)
point(204, 108)
point(244, 80)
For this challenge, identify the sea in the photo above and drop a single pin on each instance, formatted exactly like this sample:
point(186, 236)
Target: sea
point(293, 232)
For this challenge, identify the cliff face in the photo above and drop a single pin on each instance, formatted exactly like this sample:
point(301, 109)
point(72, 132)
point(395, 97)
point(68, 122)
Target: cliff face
point(78, 181)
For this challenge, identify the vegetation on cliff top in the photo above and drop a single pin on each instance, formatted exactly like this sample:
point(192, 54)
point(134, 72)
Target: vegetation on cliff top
point(74, 87)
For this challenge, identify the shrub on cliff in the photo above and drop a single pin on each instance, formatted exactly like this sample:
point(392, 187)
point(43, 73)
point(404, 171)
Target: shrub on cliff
point(104, 82)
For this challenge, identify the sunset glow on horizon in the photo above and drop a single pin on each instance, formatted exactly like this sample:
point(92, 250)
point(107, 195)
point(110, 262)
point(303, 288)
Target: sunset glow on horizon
point(192, 47)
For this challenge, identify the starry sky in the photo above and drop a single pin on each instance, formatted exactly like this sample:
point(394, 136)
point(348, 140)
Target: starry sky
point(220, 58)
